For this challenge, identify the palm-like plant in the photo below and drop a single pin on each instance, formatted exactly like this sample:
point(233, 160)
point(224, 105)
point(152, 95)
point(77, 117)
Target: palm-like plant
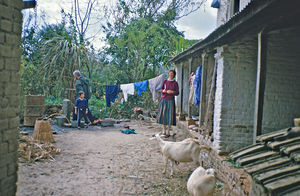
point(62, 54)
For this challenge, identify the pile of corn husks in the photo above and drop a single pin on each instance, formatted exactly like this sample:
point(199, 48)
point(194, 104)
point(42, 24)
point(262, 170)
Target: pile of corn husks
point(31, 151)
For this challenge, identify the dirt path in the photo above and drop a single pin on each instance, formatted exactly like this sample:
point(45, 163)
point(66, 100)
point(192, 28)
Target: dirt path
point(104, 162)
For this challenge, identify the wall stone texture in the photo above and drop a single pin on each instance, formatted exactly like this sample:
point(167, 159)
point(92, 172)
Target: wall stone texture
point(282, 90)
point(10, 55)
point(235, 95)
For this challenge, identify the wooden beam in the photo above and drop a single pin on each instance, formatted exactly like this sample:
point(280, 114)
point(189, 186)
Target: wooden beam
point(190, 71)
point(203, 89)
point(181, 90)
point(260, 84)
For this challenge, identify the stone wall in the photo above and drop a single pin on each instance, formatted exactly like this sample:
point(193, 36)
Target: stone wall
point(237, 179)
point(10, 53)
point(282, 90)
point(235, 95)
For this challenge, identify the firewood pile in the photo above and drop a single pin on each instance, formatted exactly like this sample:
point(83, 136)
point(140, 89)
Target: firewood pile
point(32, 151)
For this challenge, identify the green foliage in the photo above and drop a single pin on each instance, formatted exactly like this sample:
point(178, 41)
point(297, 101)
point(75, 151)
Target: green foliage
point(140, 51)
point(98, 107)
point(54, 100)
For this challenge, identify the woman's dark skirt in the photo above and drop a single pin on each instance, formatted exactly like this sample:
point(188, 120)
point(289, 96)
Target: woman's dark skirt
point(166, 112)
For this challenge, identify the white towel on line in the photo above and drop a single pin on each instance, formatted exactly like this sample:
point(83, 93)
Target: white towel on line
point(127, 89)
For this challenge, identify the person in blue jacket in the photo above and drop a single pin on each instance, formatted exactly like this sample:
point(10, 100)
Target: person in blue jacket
point(81, 109)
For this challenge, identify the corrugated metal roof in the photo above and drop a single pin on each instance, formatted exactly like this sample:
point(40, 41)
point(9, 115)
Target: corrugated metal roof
point(274, 161)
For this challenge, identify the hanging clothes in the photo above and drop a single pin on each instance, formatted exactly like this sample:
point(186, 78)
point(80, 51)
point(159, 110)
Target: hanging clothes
point(141, 86)
point(191, 96)
point(111, 93)
point(155, 85)
point(127, 89)
point(215, 4)
point(197, 85)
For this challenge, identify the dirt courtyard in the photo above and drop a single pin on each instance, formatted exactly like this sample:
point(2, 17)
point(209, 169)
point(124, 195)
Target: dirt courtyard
point(105, 162)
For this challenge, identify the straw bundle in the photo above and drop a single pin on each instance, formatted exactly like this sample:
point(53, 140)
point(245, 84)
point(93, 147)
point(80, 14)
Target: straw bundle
point(42, 131)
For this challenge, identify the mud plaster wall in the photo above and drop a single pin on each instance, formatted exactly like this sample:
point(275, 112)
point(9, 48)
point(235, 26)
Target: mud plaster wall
point(282, 90)
point(235, 95)
point(10, 53)
point(209, 69)
point(186, 87)
point(178, 79)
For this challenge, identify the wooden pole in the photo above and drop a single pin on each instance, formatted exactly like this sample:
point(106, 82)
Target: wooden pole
point(260, 84)
point(190, 71)
point(203, 89)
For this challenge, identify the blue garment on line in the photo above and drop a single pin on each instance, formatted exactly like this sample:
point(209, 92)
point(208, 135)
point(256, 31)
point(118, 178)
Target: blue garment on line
point(215, 4)
point(111, 93)
point(197, 85)
point(141, 86)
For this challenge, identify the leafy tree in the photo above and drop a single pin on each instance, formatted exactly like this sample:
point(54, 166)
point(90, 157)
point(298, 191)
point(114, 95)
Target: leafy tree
point(140, 50)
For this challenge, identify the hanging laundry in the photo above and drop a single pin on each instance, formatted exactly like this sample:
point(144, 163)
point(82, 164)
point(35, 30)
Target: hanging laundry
point(155, 85)
point(141, 86)
point(197, 85)
point(111, 93)
point(191, 96)
point(215, 4)
point(127, 89)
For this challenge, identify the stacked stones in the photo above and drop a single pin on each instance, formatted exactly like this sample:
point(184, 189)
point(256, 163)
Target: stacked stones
point(10, 53)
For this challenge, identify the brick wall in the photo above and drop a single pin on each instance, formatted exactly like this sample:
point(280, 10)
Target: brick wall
point(282, 91)
point(238, 180)
point(222, 15)
point(10, 52)
point(235, 95)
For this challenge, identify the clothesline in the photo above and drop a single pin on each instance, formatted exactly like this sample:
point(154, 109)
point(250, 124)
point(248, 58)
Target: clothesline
point(112, 91)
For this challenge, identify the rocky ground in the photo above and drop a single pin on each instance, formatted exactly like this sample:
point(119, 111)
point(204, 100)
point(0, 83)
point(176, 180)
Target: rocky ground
point(104, 161)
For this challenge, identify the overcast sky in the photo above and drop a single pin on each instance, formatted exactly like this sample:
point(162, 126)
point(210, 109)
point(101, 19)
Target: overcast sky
point(195, 26)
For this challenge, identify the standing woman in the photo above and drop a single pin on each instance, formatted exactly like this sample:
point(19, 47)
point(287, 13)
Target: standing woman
point(166, 110)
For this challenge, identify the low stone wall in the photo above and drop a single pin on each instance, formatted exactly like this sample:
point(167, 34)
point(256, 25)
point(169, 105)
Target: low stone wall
point(237, 179)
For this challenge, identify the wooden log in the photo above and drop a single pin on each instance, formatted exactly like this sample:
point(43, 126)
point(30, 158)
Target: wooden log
point(42, 131)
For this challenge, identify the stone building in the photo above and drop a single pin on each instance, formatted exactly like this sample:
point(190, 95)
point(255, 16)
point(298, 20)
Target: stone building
point(10, 56)
point(250, 89)
point(251, 76)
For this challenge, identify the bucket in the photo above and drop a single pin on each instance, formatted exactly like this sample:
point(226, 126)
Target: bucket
point(60, 120)
point(297, 122)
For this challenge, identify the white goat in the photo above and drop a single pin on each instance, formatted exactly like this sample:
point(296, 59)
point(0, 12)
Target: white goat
point(187, 150)
point(201, 182)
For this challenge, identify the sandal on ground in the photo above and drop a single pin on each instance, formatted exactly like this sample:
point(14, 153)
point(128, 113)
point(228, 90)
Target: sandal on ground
point(166, 135)
point(78, 127)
